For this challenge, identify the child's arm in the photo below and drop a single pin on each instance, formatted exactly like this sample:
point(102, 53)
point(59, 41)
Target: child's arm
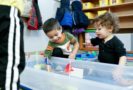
point(120, 51)
point(118, 73)
point(48, 54)
point(119, 69)
point(122, 60)
point(75, 49)
point(48, 51)
point(92, 42)
point(75, 43)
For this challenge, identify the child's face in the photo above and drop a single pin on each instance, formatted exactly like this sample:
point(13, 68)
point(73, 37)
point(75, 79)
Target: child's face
point(102, 32)
point(55, 35)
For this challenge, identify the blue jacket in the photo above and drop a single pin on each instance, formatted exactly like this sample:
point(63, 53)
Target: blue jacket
point(64, 14)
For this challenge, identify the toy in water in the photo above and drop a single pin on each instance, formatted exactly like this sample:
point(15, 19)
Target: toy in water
point(59, 68)
point(49, 69)
point(48, 64)
point(38, 66)
point(68, 68)
point(47, 61)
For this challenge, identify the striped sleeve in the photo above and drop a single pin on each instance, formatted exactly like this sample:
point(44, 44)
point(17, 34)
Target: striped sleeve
point(49, 50)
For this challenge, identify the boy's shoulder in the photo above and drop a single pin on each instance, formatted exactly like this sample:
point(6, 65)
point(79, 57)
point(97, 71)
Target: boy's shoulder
point(68, 34)
point(116, 40)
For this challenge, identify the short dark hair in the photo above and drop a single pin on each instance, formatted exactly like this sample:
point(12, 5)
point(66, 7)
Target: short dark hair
point(51, 24)
point(108, 19)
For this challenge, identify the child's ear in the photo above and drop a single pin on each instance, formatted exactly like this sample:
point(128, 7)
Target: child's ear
point(60, 29)
point(111, 29)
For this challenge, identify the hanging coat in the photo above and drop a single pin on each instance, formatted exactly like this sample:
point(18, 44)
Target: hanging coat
point(80, 19)
point(64, 15)
point(35, 20)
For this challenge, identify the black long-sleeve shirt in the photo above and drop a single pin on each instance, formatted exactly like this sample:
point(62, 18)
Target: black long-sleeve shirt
point(110, 51)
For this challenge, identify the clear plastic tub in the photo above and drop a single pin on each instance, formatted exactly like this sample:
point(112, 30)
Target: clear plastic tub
point(96, 76)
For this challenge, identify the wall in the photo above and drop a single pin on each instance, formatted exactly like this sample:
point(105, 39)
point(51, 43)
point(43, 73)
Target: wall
point(126, 39)
point(37, 40)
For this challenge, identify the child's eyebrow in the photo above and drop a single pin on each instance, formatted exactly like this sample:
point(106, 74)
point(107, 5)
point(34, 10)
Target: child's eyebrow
point(97, 24)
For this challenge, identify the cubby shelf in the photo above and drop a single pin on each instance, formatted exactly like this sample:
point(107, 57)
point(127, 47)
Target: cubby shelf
point(110, 6)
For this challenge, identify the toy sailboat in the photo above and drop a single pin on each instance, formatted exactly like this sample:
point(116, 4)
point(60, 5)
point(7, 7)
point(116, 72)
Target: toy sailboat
point(68, 68)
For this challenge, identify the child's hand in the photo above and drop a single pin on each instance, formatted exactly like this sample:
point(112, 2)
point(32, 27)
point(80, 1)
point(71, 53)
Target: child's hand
point(72, 56)
point(88, 44)
point(117, 73)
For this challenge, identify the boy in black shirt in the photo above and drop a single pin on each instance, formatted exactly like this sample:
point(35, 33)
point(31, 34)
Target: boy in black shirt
point(111, 49)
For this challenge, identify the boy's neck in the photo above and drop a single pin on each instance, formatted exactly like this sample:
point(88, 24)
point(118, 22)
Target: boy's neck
point(108, 38)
